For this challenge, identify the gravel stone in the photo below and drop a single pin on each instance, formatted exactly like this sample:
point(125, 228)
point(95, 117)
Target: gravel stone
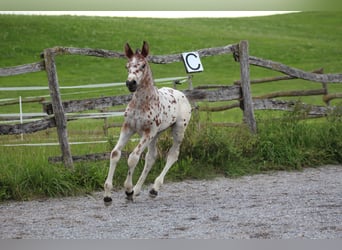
point(279, 205)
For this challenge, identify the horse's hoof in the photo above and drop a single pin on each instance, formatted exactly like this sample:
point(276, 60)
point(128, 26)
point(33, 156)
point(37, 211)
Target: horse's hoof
point(153, 193)
point(129, 196)
point(107, 201)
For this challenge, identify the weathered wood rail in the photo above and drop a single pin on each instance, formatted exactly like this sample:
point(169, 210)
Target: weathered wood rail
point(57, 51)
point(25, 100)
point(222, 94)
point(276, 66)
point(23, 69)
point(28, 127)
point(87, 157)
point(278, 78)
point(240, 91)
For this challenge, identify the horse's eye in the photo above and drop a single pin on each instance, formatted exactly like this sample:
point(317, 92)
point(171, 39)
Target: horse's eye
point(143, 66)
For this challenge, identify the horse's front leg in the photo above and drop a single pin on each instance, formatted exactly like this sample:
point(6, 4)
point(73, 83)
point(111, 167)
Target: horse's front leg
point(114, 158)
point(132, 163)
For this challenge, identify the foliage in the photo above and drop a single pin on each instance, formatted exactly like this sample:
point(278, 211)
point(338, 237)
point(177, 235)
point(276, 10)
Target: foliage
point(34, 181)
point(289, 143)
point(292, 142)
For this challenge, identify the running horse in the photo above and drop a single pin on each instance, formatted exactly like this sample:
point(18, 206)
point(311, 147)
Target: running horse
point(149, 113)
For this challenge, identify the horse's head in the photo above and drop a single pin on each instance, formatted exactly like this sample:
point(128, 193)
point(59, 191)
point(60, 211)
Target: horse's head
point(137, 66)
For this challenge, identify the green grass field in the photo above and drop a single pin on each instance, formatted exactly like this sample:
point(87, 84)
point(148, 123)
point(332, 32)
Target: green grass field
point(308, 41)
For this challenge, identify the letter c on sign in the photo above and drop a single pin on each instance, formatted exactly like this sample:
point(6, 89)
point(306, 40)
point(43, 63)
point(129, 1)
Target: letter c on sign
point(188, 62)
point(192, 62)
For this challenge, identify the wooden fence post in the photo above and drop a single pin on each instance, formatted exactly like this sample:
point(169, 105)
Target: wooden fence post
point(247, 102)
point(58, 110)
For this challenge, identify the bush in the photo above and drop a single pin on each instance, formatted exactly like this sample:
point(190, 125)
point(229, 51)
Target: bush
point(293, 143)
point(288, 143)
point(208, 151)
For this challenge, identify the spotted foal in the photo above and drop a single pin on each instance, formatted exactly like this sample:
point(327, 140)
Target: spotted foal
point(150, 112)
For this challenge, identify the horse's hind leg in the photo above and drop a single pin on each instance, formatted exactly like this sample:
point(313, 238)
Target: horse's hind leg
point(150, 159)
point(172, 157)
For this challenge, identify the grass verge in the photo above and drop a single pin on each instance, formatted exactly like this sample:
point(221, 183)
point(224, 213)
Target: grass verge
point(288, 143)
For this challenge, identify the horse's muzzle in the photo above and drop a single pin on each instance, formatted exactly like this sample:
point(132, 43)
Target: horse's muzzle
point(131, 85)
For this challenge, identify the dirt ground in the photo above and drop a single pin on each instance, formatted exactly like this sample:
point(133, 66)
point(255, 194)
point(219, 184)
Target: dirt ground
point(278, 205)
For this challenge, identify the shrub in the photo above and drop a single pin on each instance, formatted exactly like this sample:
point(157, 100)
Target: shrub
point(288, 143)
point(293, 143)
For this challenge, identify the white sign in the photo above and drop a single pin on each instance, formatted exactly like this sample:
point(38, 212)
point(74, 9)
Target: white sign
point(192, 62)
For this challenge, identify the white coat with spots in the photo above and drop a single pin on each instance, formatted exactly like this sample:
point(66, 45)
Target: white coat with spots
point(150, 112)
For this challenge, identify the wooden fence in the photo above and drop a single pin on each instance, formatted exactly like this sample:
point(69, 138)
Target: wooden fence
point(240, 91)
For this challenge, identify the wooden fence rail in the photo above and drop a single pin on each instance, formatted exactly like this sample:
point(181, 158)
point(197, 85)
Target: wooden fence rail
point(276, 66)
point(24, 100)
point(158, 59)
point(222, 94)
point(277, 78)
point(28, 127)
point(23, 69)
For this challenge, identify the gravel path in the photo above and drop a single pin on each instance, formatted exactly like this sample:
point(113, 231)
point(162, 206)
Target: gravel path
point(280, 205)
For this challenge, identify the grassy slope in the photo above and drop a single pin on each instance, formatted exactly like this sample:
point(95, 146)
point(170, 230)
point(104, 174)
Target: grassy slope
point(304, 40)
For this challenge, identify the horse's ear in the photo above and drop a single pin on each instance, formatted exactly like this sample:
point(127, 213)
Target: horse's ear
point(128, 51)
point(145, 49)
